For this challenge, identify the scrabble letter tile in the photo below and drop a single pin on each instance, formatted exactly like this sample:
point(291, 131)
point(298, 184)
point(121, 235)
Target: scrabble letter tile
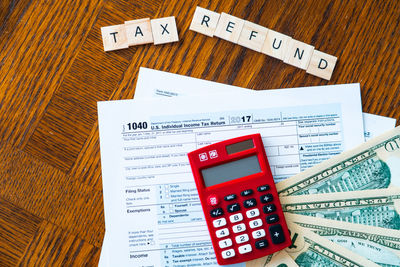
point(229, 28)
point(322, 65)
point(252, 36)
point(276, 44)
point(164, 30)
point(204, 21)
point(114, 37)
point(138, 32)
point(298, 54)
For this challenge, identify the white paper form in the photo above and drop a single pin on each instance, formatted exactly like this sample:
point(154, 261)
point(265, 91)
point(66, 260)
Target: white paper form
point(155, 83)
point(145, 159)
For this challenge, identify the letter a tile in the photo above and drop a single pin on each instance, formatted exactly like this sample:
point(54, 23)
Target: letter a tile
point(204, 21)
point(229, 28)
point(164, 30)
point(114, 37)
point(322, 65)
point(139, 32)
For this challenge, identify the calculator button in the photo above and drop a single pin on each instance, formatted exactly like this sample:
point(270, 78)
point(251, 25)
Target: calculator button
point(258, 234)
point(252, 213)
point(225, 243)
point(263, 188)
point(230, 197)
point(233, 207)
point(241, 238)
point(266, 198)
point(245, 249)
point(216, 212)
point(248, 203)
point(239, 228)
point(246, 192)
point(255, 223)
point(236, 218)
point(222, 232)
point(228, 253)
point(276, 233)
point(212, 200)
point(219, 222)
point(269, 208)
point(262, 244)
point(272, 218)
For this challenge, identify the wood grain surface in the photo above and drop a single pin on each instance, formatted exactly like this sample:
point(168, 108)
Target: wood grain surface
point(53, 70)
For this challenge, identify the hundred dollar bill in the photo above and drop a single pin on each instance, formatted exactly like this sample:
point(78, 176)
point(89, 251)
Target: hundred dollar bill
point(309, 249)
point(379, 245)
point(372, 165)
point(380, 207)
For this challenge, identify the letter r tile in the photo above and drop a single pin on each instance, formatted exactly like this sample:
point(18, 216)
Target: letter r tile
point(164, 30)
point(229, 28)
point(322, 65)
point(204, 21)
point(114, 37)
point(139, 32)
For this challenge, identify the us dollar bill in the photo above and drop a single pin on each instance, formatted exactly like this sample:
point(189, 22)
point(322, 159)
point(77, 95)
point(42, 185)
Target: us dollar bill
point(372, 165)
point(378, 207)
point(379, 245)
point(310, 249)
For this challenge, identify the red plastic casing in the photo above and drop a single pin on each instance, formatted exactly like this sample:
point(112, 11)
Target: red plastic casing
point(236, 186)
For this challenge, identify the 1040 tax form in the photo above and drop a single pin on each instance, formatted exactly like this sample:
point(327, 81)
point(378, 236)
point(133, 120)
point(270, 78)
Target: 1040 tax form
point(153, 214)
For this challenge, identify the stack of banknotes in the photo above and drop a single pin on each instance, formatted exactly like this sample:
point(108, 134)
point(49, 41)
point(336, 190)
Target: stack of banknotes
point(346, 210)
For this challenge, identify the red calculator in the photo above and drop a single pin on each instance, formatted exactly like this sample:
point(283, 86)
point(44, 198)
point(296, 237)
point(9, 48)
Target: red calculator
point(239, 199)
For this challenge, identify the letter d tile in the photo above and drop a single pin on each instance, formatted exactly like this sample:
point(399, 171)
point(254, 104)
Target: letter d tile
point(322, 65)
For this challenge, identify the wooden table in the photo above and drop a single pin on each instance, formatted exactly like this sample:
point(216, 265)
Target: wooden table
point(53, 70)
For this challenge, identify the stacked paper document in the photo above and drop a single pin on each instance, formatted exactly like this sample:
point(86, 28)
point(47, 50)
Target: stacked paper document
point(314, 138)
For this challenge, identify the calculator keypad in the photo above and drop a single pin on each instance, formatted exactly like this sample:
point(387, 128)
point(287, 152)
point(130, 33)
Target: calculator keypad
point(246, 192)
point(252, 213)
point(249, 203)
point(233, 207)
point(219, 222)
point(269, 208)
point(222, 233)
point(245, 249)
point(217, 212)
point(255, 223)
point(228, 253)
point(239, 235)
point(236, 218)
point(258, 234)
point(239, 228)
point(225, 243)
point(242, 238)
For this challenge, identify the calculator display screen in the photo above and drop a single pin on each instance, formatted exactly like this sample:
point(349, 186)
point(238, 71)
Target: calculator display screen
point(231, 171)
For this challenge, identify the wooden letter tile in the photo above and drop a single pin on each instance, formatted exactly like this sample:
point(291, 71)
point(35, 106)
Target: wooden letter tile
point(114, 37)
point(138, 32)
point(252, 36)
point(204, 21)
point(298, 54)
point(229, 28)
point(164, 30)
point(276, 44)
point(322, 65)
